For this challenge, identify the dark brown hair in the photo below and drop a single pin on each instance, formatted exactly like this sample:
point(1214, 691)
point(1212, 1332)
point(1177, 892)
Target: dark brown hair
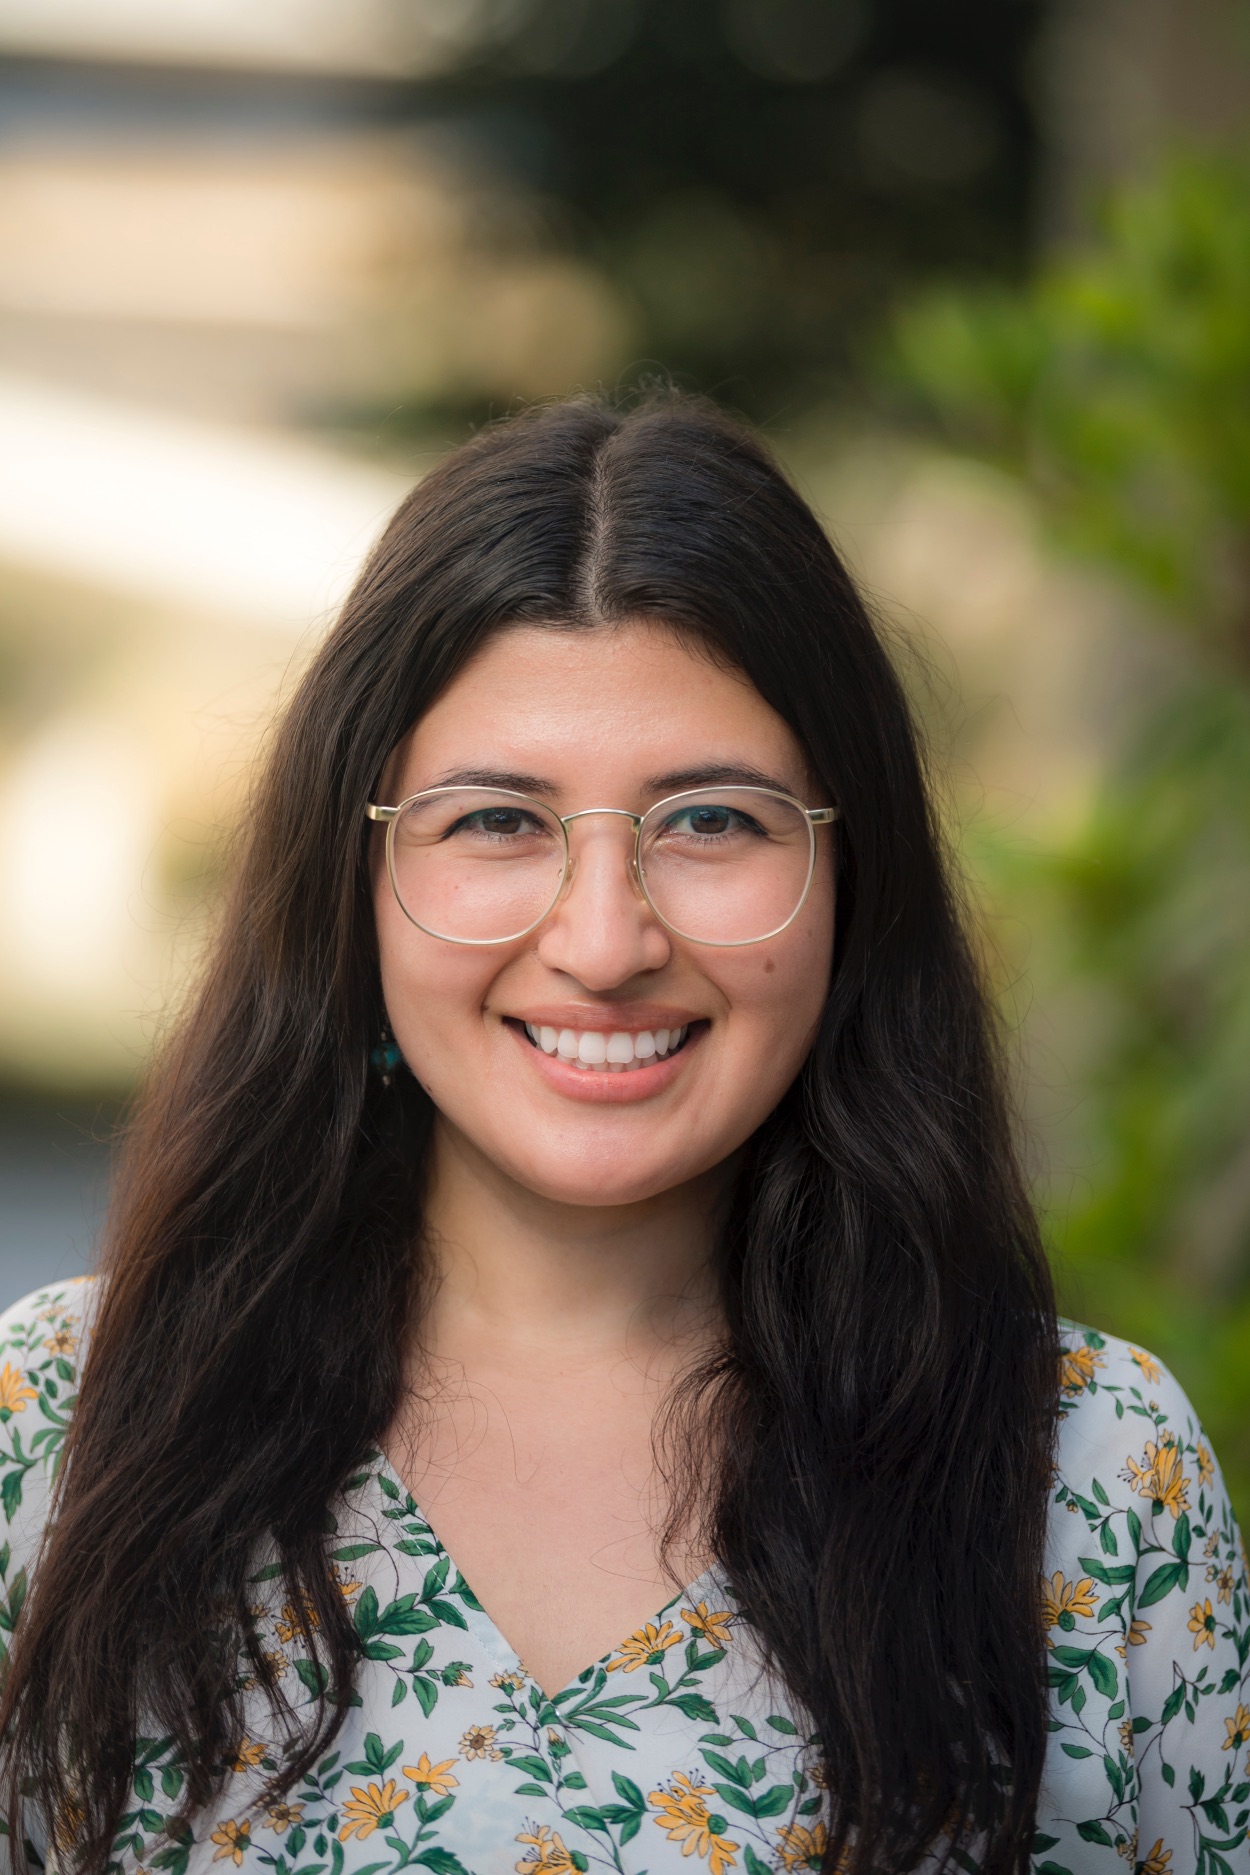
point(883, 1414)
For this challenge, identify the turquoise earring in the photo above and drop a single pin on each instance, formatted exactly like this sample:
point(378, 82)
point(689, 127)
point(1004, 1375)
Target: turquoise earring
point(385, 1058)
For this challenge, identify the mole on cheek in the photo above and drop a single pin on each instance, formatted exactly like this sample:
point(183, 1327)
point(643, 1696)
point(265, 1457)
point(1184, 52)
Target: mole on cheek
point(769, 966)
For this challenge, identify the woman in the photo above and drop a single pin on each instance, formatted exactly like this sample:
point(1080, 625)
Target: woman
point(585, 1174)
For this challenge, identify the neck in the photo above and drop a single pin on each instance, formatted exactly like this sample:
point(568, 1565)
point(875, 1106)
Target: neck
point(516, 1271)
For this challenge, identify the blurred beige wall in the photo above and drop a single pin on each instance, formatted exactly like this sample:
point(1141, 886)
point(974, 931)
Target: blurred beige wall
point(200, 324)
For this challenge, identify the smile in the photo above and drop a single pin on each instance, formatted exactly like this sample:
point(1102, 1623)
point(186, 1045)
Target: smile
point(617, 1053)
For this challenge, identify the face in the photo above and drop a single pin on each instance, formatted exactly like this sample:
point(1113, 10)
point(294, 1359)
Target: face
point(602, 718)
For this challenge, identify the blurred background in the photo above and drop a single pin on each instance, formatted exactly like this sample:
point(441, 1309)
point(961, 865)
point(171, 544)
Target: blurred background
point(981, 272)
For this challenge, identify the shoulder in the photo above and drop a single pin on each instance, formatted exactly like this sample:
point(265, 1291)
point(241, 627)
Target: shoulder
point(1130, 1444)
point(1109, 1390)
point(42, 1340)
point(1146, 1608)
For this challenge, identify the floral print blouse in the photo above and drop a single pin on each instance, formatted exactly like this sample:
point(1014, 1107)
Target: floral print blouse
point(674, 1752)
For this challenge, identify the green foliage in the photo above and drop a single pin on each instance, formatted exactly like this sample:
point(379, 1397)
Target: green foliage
point(1117, 386)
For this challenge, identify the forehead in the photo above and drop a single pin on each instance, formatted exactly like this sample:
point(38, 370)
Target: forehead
point(627, 701)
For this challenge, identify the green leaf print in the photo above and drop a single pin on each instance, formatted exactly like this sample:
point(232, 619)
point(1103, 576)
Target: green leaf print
point(1103, 1674)
point(11, 1491)
point(626, 1788)
point(1162, 1582)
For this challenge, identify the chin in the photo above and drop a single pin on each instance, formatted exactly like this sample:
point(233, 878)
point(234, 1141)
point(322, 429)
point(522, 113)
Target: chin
point(596, 1185)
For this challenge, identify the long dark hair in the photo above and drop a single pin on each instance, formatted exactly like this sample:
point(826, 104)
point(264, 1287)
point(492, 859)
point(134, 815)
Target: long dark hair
point(882, 1416)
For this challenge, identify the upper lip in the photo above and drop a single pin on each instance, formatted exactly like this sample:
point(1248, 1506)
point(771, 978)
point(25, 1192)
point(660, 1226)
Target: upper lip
point(631, 1018)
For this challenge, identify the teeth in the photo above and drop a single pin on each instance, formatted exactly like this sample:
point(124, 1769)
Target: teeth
point(617, 1053)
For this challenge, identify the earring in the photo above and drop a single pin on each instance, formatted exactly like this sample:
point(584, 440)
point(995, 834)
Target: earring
point(385, 1058)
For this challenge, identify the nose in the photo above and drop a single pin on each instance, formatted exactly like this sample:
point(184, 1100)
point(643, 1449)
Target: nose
point(602, 931)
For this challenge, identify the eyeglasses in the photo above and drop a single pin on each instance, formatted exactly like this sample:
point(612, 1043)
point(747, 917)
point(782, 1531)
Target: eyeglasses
point(718, 866)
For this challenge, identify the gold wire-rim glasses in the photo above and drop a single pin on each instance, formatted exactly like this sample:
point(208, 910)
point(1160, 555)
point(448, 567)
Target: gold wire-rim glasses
point(390, 817)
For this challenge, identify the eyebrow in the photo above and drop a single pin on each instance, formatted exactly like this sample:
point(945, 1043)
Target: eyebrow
point(495, 778)
point(676, 781)
point(715, 775)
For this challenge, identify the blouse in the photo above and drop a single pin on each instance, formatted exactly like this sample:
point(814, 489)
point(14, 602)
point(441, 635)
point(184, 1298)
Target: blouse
point(675, 1751)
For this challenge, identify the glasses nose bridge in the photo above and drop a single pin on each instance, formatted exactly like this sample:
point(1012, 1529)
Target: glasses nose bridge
point(635, 820)
point(583, 813)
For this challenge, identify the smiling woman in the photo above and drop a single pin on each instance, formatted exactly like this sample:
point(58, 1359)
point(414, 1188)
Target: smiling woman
point(585, 1174)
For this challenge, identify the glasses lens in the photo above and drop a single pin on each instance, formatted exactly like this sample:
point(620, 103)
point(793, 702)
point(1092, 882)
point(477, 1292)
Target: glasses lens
point(476, 865)
point(727, 865)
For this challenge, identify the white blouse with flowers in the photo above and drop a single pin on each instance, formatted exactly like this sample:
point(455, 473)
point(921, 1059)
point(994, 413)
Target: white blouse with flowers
point(674, 1753)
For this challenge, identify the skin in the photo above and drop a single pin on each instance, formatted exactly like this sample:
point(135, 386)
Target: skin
point(571, 1216)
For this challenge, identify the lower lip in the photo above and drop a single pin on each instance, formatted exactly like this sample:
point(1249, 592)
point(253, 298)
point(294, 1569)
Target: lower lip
point(600, 1084)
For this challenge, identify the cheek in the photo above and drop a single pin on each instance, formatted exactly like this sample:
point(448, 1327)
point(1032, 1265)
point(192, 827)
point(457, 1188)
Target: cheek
point(428, 987)
point(777, 996)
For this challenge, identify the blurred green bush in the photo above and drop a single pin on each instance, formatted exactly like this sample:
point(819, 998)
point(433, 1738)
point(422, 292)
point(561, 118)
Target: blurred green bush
point(1117, 387)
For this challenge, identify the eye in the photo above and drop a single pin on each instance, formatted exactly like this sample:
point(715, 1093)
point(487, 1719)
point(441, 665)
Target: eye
point(498, 823)
point(710, 821)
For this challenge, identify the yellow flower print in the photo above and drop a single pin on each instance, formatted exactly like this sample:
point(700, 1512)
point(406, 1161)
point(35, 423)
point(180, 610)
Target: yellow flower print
point(546, 1854)
point(1063, 1601)
point(1238, 1729)
point(645, 1648)
point(1212, 1544)
point(1136, 1637)
point(288, 1628)
point(1126, 1737)
point(1157, 1862)
point(1202, 1625)
point(233, 1841)
point(1076, 1369)
point(1149, 1366)
point(510, 1681)
point(435, 1777)
point(801, 1847)
point(70, 1818)
point(14, 1392)
point(282, 1816)
point(62, 1342)
point(372, 1808)
point(713, 1628)
point(479, 1742)
point(1206, 1464)
point(247, 1755)
point(1160, 1477)
point(1224, 1584)
point(276, 1661)
point(686, 1819)
point(345, 1588)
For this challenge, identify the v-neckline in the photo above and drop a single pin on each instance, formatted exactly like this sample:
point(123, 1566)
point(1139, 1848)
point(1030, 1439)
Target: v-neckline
point(702, 1586)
